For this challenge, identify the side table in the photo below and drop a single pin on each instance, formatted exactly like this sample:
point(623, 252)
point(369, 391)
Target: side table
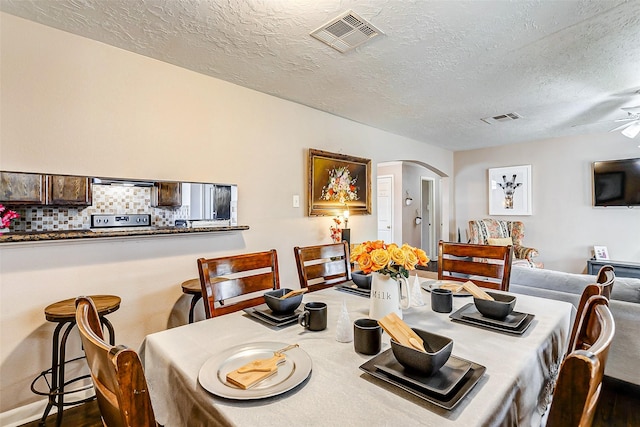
point(620, 268)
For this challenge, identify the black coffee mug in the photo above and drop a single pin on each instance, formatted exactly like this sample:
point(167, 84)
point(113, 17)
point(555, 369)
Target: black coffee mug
point(367, 336)
point(441, 300)
point(314, 316)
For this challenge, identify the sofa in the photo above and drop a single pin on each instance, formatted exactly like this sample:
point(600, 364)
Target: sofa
point(624, 355)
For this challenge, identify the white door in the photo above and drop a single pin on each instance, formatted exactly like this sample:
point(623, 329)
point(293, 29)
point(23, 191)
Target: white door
point(428, 217)
point(385, 208)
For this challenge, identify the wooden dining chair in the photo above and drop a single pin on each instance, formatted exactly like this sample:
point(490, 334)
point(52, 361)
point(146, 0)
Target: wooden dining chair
point(604, 286)
point(323, 266)
point(487, 266)
point(116, 371)
point(235, 276)
point(580, 378)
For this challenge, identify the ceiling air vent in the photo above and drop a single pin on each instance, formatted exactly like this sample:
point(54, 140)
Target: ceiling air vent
point(501, 118)
point(346, 32)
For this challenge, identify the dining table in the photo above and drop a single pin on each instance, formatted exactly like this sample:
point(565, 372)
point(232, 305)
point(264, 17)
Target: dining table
point(513, 387)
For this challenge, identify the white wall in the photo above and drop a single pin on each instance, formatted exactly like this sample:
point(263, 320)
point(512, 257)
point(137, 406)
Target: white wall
point(75, 106)
point(564, 226)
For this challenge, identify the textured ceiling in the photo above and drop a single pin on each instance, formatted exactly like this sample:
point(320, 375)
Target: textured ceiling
point(438, 69)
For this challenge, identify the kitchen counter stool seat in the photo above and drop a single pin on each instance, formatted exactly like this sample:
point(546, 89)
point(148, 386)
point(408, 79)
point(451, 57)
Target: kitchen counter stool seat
point(192, 287)
point(64, 314)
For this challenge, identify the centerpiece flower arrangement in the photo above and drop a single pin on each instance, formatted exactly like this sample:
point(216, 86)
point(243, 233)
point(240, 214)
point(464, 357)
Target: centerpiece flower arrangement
point(340, 186)
point(5, 217)
point(390, 259)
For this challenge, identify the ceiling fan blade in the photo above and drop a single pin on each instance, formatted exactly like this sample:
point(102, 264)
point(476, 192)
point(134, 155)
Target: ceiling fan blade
point(632, 131)
point(624, 126)
point(633, 110)
point(626, 119)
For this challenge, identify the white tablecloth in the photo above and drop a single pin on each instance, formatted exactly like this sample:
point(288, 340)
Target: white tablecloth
point(513, 390)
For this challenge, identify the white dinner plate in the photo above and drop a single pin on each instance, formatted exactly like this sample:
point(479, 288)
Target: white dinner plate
point(295, 369)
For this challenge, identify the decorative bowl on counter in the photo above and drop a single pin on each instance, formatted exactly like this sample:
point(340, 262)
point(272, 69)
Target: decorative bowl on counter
point(361, 280)
point(500, 308)
point(438, 350)
point(282, 306)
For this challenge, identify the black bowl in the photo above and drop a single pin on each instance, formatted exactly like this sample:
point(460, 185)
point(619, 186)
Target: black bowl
point(361, 280)
point(498, 309)
point(438, 352)
point(282, 306)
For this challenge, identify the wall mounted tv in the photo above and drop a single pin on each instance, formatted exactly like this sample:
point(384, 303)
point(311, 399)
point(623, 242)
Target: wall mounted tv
point(616, 183)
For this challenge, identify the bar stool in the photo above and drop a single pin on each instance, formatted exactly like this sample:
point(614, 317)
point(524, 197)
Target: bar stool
point(192, 287)
point(64, 314)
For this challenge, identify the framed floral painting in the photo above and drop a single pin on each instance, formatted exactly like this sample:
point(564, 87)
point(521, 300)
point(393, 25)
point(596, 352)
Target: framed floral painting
point(336, 181)
point(510, 190)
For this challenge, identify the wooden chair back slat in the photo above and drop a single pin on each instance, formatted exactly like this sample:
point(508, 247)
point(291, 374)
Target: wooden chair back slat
point(230, 288)
point(240, 263)
point(486, 265)
point(323, 266)
point(311, 253)
point(248, 273)
point(116, 371)
point(580, 379)
point(474, 268)
point(327, 270)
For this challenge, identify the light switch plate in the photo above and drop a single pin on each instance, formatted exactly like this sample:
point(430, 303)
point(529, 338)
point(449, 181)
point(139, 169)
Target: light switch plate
point(296, 201)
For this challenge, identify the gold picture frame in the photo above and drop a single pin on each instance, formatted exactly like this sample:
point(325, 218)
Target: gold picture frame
point(336, 180)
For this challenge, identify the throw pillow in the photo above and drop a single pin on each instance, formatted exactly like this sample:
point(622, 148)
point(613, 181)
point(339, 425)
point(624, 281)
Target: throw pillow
point(500, 241)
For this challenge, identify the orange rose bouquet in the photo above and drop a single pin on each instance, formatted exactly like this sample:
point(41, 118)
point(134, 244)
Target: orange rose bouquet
point(388, 259)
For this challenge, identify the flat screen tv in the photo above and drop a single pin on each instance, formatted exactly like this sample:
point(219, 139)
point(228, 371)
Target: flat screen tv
point(616, 183)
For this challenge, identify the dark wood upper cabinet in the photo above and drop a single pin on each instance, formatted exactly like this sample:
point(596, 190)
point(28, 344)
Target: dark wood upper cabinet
point(18, 188)
point(167, 194)
point(69, 190)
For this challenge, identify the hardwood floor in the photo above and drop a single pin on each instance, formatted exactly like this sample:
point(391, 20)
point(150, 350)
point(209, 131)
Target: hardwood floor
point(85, 415)
point(619, 406)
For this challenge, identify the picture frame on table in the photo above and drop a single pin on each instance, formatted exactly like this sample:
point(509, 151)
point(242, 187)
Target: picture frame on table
point(510, 190)
point(601, 252)
point(337, 182)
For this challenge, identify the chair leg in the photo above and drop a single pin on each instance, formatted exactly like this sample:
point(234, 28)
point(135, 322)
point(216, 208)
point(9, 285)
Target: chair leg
point(53, 388)
point(194, 300)
point(60, 380)
point(112, 334)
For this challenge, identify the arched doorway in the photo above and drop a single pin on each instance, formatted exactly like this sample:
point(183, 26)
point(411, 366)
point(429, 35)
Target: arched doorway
point(420, 204)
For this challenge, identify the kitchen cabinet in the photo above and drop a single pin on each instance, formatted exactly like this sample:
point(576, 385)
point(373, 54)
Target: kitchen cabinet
point(167, 194)
point(31, 189)
point(17, 188)
point(69, 190)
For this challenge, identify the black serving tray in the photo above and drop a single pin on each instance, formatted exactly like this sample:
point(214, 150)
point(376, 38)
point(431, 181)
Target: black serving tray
point(351, 288)
point(463, 316)
point(447, 401)
point(263, 313)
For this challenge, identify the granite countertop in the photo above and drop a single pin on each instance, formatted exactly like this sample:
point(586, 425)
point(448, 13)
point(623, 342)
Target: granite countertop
point(14, 237)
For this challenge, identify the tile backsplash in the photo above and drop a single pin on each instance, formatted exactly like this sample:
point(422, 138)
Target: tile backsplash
point(107, 199)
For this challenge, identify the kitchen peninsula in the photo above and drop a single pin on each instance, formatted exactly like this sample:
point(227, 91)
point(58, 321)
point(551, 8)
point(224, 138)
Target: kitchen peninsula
point(39, 236)
point(63, 207)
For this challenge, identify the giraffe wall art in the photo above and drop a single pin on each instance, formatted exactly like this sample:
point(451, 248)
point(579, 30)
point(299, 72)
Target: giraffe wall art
point(510, 190)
